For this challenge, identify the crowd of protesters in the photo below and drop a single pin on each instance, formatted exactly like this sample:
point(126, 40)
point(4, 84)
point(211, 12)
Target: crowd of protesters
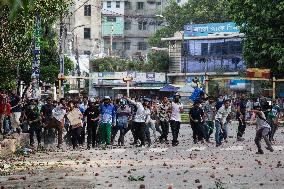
point(148, 120)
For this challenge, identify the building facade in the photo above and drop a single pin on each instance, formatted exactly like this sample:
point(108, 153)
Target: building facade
point(212, 49)
point(84, 27)
point(127, 25)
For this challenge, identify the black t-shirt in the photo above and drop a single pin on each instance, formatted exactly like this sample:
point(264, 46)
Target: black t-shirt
point(47, 111)
point(14, 101)
point(92, 113)
point(243, 106)
point(196, 113)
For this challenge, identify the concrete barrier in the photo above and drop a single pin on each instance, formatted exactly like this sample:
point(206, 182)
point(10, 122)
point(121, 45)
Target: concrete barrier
point(9, 145)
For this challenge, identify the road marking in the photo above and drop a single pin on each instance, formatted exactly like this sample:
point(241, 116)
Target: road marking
point(159, 150)
point(278, 148)
point(233, 148)
point(118, 151)
point(196, 149)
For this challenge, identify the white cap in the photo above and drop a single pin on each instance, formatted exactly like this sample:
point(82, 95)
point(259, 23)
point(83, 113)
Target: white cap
point(107, 97)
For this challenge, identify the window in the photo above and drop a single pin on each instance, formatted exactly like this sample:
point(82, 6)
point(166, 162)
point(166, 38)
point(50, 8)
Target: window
point(127, 25)
point(87, 10)
point(127, 5)
point(114, 45)
point(108, 4)
point(87, 33)
point(117, 5)
point(87, 52)
point(158, 3)
point(140, 5)
point(127, 45)
point(111, 19)
point(142, 25)
point(204, 48)
point(142, 46)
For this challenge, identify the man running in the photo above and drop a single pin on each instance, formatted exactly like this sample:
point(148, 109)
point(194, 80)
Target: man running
point(241, 115)
point(220, 120)
point(209, 116)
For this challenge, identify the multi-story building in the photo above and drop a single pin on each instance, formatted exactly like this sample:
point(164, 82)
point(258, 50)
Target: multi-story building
point(84, 27)
point(129, 24)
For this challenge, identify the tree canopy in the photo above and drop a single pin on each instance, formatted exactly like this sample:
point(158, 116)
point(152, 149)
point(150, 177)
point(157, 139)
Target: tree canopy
point(262, 22)
point(16, 45)
point(157, 62)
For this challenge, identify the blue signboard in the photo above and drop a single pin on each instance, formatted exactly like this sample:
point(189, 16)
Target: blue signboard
point(196, 30)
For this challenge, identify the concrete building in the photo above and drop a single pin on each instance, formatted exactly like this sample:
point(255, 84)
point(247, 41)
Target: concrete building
point(205, 49)
point(129, 24)
point(84, 27)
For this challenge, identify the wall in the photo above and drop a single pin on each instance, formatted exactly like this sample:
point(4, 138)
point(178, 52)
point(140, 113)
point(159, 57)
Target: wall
point(93, 22)
point(118, 27)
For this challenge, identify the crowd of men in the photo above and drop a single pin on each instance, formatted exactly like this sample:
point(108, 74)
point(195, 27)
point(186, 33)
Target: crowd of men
point(148, 120)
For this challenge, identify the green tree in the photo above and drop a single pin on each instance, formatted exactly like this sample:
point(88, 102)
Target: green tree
point(16, 38)
point(262, 22)
point(198, 12)
point(157, 62)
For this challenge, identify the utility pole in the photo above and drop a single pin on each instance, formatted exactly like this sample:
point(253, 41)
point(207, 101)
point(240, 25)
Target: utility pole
point(61, 57)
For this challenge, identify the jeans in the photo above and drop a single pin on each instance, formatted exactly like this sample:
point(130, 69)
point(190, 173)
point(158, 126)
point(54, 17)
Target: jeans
point(262, 133)
point(83, 134)
point(92, 138)
point(175, 126)
point(242, 127)
point(147, 133)
point(7, 125)
point(139, 131)
point(218, 136)
point(197, 130)
point(35, 128)
point(274, 127)
point(165, 130)
point(152, 125)
point(75, 136)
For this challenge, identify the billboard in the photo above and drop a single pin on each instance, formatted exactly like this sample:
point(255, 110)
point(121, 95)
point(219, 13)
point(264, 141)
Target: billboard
point(197, 30)
point(116, 78)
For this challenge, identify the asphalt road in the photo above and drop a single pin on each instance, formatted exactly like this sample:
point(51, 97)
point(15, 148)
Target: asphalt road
point(232, 165)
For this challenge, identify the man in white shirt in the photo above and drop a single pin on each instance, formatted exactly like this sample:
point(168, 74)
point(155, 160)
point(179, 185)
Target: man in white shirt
point(139, 122)
point(176, 110)
point(220, 120)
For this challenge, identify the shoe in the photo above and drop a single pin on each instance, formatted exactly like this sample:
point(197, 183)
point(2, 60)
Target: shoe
point(133, 143)
point(194, 141)
point(218, 144)
point(270, 149)
point(259, 152)
point(88, 147)
point(240, 139)
point(141, 146)
point(59, 146)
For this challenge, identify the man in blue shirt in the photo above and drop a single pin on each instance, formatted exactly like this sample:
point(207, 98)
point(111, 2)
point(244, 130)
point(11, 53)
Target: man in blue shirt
point(108, 119)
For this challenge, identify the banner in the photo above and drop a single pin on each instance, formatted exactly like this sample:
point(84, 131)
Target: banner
point(258, 73)
point(36, 63)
